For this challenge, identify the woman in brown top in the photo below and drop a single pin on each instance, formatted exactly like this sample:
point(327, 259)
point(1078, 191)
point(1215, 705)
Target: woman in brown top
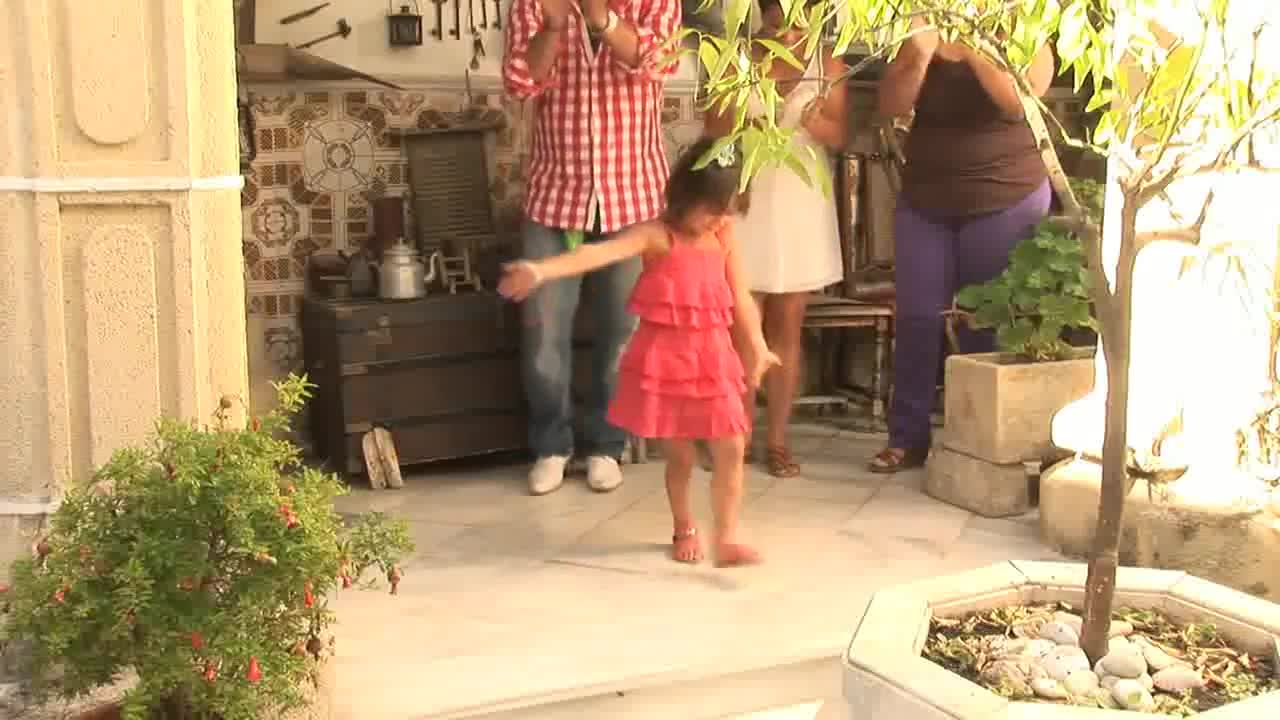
point(973, 187)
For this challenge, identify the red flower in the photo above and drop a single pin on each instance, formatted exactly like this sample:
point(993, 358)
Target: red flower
point(197, 641)
point(3, 588)
point(60, 597)
point(307, 598)
point(346, 581)
point(291, 522)
point(255, 672)
point(256, 424)
point(210, 673)
point(393, 577)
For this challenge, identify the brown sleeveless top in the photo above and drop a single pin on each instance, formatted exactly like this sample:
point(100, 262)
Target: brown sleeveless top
point(964, 157)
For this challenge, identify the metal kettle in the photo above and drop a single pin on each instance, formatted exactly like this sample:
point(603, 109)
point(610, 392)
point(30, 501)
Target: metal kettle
point(402, 275)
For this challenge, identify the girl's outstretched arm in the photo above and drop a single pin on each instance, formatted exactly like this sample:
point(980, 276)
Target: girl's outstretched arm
point(746, 315)
point(522, 277)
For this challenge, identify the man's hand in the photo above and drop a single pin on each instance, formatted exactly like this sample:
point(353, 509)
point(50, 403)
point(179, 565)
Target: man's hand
point(555, 13)
point(595, 12)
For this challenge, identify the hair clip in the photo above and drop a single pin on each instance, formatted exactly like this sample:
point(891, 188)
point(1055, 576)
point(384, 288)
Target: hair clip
point(727, 156)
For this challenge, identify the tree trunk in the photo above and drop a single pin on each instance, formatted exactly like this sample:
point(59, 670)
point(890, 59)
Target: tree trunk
point(1116, 315)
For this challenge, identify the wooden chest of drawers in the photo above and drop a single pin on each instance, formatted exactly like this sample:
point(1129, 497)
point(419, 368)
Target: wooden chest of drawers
point(442, 373)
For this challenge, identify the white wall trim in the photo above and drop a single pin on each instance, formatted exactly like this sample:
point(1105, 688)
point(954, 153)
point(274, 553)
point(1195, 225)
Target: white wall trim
point(29, 507)
point(56, 184)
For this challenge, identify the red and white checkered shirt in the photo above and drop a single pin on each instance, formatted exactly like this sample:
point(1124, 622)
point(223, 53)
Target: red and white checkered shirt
point(596, 140)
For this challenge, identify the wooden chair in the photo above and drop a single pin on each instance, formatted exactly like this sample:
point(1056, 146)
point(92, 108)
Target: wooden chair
point(867, 182)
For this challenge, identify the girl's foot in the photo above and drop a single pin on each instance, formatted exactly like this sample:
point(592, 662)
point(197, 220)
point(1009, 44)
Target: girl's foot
point(736, 555)
point(779, 463)
point(685, 546)
point(892, 460)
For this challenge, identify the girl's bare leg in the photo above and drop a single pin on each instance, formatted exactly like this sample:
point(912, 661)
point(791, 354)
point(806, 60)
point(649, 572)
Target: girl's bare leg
point(783, 327)
point(726, 501)
point(685, 545)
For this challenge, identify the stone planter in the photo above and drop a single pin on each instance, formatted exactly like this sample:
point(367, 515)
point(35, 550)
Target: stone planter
point(1226, 540)
point(885, 677)
point(998, 413)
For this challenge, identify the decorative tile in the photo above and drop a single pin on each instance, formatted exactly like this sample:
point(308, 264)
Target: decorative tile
point(275, 222)
point(272, 106)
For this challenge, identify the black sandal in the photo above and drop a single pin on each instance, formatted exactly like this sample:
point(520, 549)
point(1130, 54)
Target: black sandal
point(891, 460)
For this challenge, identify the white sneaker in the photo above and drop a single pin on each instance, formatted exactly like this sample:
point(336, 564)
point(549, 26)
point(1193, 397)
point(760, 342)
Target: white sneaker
point(603, 473)
point(547, 474)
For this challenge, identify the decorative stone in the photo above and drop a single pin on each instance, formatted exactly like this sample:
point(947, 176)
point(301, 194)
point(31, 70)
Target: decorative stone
point(1038, 648)
point(1130, 695)
point(1049, 689)
point(1179, 678)
point(1120, 628)
point(1158, 659)
point(1081, 683)
point(976, 485)
point(1125, 663)
point(1108, 681)
point(1147, 681)
point(1102, 696)
point(1075, 621)
point(1001, 410)
point(1119, 642)
point(1063, 661)
point(1059, 633)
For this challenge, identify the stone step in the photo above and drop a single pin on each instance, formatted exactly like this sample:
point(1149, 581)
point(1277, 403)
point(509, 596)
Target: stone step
point(781, 692)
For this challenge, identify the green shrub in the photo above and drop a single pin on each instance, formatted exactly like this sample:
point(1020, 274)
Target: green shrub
point(202, 561)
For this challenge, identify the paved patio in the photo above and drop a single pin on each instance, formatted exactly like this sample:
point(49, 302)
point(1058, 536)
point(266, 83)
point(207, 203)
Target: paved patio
point(513, 599)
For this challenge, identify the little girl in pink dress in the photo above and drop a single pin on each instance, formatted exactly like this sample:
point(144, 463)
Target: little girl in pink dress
point(680, 378)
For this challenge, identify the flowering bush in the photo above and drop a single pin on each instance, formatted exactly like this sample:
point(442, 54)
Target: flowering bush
point(202, 561)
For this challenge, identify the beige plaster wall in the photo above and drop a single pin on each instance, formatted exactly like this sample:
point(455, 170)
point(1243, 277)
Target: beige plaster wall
point(123, 288)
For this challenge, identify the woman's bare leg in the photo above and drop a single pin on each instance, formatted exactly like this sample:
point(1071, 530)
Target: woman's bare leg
point(726, 501)
point(783, 328)
point(750, 396)
point(685, 546)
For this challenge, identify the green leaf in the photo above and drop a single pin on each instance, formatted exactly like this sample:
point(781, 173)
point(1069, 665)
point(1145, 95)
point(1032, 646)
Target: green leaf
point(798, 167)
point(779, 50)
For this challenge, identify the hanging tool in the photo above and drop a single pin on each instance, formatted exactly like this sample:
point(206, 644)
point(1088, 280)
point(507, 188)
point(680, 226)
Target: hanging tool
point(438, 31)
point(344, 29)
point(471, 17)
point(289, 19)
point(457, 19)
point(497, 14)
point(484, 14)
point(477, 50)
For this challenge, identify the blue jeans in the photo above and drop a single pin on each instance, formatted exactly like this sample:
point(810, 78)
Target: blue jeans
point(547, 349)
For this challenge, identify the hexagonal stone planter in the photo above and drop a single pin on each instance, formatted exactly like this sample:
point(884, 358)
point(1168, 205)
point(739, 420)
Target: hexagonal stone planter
point(885, 677)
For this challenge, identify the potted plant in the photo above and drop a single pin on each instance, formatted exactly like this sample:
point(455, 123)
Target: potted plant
point(1171, 109)
point(200, 562)
point(999, 406)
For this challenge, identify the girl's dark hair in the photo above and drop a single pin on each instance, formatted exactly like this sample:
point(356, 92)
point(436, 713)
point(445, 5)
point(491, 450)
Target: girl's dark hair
point(713, 187)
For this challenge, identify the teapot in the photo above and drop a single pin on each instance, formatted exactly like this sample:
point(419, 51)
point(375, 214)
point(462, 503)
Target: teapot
point(402, 274)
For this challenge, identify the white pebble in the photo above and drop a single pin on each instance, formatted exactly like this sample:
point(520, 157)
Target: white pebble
point(1109, 681)
point(1059, 633)
point(1103, 697)
point(1049, 688)
point(1132, 696)
point(1038, 648)
point(1081, 682)
point(1063, 661)
point(1147, 681)
point(1179, 678)
point(1126, 663)
point(1119, 642)
point(1075, 622)
point(1157, 658)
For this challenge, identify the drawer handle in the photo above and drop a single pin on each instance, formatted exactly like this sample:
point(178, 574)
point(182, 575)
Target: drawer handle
point(384, 321)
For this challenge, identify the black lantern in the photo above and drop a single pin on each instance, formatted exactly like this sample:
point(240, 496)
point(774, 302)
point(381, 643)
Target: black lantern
point(405, 27)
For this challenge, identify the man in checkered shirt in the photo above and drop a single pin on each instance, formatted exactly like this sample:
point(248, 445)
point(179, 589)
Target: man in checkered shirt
point(594, 71)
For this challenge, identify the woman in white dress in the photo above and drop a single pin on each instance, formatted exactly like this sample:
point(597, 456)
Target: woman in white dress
point(790, 237)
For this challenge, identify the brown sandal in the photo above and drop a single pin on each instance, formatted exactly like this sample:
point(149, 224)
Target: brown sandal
point(779, 463)
point(892, 460)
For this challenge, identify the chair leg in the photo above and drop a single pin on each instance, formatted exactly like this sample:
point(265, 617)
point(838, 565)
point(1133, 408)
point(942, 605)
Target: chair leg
point(879, 381)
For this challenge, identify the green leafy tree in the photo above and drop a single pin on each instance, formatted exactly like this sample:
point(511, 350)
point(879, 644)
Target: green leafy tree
point(203, 561)
point(1169, 108)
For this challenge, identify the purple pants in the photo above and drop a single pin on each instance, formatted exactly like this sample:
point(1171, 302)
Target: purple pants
point(934, 258)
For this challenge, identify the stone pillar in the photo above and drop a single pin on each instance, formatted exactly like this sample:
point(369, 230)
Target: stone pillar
point(121, 289)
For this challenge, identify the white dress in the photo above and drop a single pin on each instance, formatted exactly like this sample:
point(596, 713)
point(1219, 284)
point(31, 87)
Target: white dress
point(790, 236)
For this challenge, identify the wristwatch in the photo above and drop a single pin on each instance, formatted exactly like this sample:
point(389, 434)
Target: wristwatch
point(610, 23)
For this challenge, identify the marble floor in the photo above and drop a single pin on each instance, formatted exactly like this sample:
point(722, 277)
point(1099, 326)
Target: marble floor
point(512, 599)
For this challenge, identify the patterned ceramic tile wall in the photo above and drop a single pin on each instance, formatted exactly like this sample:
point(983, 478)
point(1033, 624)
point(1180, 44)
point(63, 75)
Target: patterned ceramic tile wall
point(322, 155)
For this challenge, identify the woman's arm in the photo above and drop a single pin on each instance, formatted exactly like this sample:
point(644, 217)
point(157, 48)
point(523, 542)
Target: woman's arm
point(901, 82)
point(827, 121)
point(1001, 87)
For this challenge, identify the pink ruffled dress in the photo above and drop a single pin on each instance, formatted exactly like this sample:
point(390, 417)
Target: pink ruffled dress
point(680, 376)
